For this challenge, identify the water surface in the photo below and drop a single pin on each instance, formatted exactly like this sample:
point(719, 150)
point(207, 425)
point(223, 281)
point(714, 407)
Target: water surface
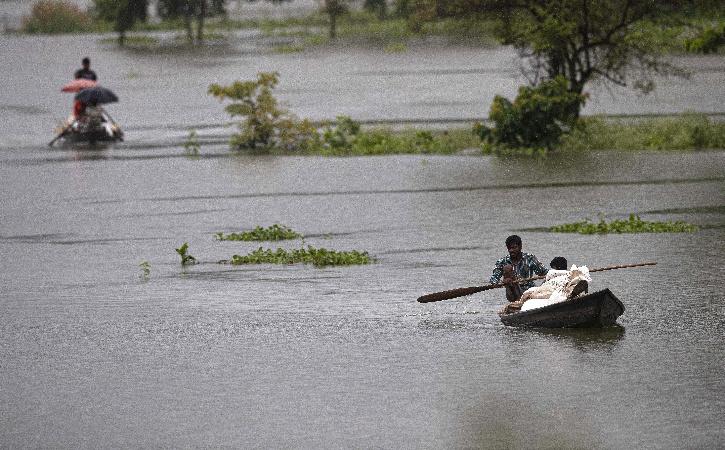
point(92, 355)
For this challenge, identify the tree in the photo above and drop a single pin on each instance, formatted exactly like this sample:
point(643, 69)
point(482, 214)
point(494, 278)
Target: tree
point(123, 13)
point(584, 40)
point(334, 9)
point(378, 7)
point(190, 11)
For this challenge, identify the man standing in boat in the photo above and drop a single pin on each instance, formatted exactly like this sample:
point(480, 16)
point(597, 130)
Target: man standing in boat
point(85, 71)
point(516, 265)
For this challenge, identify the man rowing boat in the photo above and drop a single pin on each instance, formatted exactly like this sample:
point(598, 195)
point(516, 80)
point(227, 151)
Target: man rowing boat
point(516, 265)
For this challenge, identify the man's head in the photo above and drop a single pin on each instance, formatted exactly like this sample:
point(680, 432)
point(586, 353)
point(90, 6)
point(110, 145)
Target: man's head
point(86, 62)
point(558, 263)
point(513, 245)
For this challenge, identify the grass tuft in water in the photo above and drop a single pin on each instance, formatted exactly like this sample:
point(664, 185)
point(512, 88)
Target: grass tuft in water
point(632, 225)
point(186, 258)
point(191, 145)
point(275, 232)
point(145, 270)
point(319, 257)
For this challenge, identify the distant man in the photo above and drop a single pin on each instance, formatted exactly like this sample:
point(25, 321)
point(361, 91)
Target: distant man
point(516, 265)
point(85, 71)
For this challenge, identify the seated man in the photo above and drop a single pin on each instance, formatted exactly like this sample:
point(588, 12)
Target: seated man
point(557, 288)
point(517, 265)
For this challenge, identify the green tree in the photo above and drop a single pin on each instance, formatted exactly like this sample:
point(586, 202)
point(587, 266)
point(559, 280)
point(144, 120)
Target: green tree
point(536, 119)
point(191, 11)
point(378, 7)
point(334, 9)
point(123, 14)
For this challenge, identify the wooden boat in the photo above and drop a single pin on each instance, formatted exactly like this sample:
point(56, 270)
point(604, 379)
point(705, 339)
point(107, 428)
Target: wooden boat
point(96, 127)
point(91, 134)
point(598, 309)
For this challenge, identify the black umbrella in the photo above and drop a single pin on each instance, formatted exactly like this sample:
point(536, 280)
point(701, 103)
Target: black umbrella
point(97, 95)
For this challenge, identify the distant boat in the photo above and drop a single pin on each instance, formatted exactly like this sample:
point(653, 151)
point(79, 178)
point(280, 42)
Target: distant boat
point(97, 127)
point(598, 309)
point(96, 133)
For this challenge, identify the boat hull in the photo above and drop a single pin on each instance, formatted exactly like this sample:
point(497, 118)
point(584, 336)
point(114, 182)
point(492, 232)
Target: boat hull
point(598, 309)
point(93, 136)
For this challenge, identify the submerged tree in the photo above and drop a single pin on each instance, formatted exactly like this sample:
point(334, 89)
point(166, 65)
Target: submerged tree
point(580, 40)
point(377, 7)
point(191, 11)
point(123, 14)
point(334, 9)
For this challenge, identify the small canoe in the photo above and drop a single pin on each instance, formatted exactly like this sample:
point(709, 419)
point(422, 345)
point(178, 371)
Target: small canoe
point(91, 135)
point(598, 309)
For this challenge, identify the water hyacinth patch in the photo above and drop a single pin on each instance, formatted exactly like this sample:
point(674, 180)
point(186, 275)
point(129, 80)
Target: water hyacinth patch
point(632, 225)
point(319, 257)
point(273, 233)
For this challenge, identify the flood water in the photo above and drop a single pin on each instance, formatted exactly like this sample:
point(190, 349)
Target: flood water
point(94, 355)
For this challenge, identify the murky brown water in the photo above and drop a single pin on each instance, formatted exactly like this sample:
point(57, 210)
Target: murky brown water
point(292, 356)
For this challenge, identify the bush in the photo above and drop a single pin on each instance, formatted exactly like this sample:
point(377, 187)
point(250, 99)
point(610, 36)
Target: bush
point(707, 41)
point(537, 118)
point(265, 125)
point(268, 127)
point(687, 132)
point(56, 16)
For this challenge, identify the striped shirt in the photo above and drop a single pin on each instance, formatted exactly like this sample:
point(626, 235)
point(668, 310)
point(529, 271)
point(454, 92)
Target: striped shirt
point(527, 267)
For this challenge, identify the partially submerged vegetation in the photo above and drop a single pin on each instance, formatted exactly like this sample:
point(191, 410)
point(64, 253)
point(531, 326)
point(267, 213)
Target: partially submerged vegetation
point(319, 257)
point(685, 132)
point(471, 22)
point(186, 258)
point(272, 233)
point(267, 127)
point(541, 119)
point(632, 225)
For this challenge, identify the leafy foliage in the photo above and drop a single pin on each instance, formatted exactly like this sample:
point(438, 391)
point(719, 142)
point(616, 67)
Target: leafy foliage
point(536, 119)
point(191, 145)
point(633, 225)
point(122, 13)
point(266, 125)
point(186, 258)
point(319, 257)
point(56, 16)
point(685, 132)
point(145, 270)
point(272, 233)
point(708, 40)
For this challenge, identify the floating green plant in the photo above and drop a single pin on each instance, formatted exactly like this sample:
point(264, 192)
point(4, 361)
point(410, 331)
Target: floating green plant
point(273, 233)
point(191, 145)
point(632, 225)
point(186, 258)
point(145, 270)
point(319, 257)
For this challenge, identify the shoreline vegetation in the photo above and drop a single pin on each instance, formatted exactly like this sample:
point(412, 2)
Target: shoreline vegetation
point(543, 118)
point(698, 33)
point(684, 132)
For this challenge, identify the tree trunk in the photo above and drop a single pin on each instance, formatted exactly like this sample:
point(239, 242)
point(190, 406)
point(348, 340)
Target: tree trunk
point(333, 25)
point(200, 22)
point(188, 13)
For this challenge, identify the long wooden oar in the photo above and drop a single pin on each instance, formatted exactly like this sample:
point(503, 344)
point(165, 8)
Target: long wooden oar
point(460, 292)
